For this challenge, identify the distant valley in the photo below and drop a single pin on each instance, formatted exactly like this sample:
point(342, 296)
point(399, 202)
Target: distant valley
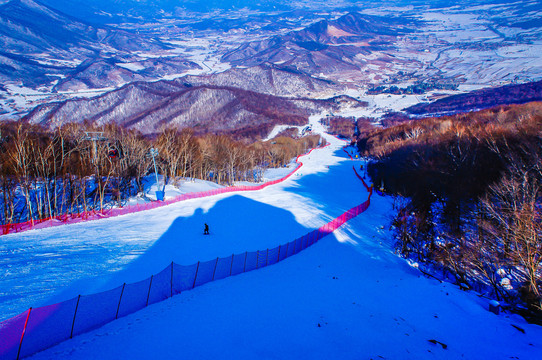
point(152, 66)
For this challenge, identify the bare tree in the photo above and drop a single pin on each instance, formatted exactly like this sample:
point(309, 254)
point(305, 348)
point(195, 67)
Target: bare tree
point(135, 149)
point(514, 209)
point(21, 158)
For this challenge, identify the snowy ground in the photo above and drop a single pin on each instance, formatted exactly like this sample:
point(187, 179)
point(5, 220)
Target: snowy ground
point(346, 297)
point(45, 266)
point(278, 128)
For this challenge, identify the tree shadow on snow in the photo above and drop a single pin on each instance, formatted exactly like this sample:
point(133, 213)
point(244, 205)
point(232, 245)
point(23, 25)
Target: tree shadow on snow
point(237, 224)
point(336, 190)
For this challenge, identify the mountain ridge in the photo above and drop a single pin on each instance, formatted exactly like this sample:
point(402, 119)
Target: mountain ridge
point(481, 99)
point(249, 97)
point(43, 45)
point(323, 47)
point(149, 107)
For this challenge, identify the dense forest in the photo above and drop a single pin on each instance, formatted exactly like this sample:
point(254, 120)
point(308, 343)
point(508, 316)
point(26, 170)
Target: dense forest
point(481, 99)
point(468, 192)
point(340, 126)
point(78, 168)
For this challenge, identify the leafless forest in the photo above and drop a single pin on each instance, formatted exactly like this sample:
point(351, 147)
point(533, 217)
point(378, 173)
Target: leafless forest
point(79, 168)
point(473, 184)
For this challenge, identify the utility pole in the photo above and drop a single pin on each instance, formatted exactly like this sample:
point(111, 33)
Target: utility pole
point(159, 193)
point(153, 153)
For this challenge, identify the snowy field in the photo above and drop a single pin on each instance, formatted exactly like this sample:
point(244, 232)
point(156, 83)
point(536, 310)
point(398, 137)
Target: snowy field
point(278, 128)
point(346, 297)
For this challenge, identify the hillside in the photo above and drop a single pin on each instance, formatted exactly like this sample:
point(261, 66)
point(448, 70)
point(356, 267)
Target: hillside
point(40, 45)
point(268, 79)
point(470, 186)
point(109, 73)
point(324, 47)
point(248, 101)
point(481, 99)
point(149, 107)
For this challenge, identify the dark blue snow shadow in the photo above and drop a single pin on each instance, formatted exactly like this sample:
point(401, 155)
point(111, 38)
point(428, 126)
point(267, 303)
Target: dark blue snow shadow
point(336, 190)
point(237, 224)
point(256, 226)
point(345, 153)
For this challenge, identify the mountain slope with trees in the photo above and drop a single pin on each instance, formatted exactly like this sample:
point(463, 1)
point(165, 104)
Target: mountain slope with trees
point(150, 107)
point(481, 99)
point(49, 173)
point(324, 47)
point(474, 187)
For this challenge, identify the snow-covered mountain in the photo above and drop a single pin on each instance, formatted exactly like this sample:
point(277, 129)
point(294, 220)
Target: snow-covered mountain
point(40, 45)
point(216, 103)
point(324, 47)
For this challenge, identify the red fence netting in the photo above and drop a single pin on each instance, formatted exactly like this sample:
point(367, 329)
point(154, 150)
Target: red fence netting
point(52, 324)
point(367, 187)
point(107, 213)
point(38, 329)
point(347, 153)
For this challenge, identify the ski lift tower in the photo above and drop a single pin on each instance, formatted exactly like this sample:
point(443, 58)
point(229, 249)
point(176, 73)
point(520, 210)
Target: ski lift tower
point(94, 136)
point(159, 193)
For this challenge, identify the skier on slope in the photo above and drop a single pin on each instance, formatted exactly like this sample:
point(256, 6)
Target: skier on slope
point(206, 230)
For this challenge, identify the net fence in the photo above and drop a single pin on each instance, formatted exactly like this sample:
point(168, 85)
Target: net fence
point(40, 328)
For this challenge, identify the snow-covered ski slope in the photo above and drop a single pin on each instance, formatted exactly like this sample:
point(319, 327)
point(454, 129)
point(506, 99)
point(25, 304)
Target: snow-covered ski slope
point(348, 296)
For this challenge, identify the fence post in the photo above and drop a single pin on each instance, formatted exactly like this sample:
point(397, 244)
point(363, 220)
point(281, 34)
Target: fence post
point(257, 259)
point(171, 281)
point(22, 335)
point(231, 265)
point(74, 314)
point(278, 256)
point(120, 299)
point(195, 277)
point(149, 293)
point(245, 266)
point(266, 257)
point(214, 271)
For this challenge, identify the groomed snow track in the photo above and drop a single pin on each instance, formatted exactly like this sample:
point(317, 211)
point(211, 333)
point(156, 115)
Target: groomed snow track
point(38, 329)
